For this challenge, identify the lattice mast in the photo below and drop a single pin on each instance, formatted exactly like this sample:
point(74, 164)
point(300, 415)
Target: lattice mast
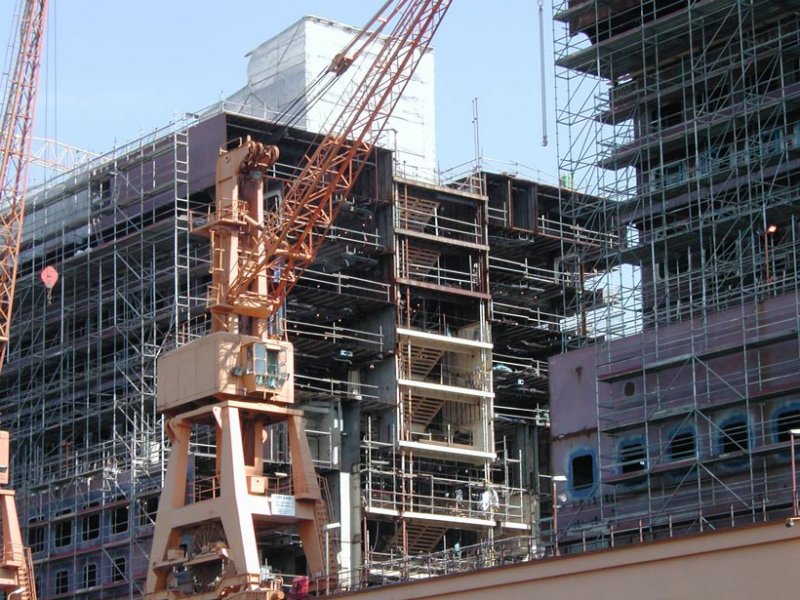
point(19, 105)
point(239, 379)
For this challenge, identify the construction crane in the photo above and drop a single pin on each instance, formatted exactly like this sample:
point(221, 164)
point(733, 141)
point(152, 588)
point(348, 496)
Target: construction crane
point(234, 382)
point(19, 105)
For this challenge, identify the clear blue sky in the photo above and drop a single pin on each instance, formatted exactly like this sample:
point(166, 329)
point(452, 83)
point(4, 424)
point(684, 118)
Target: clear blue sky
point(115, 69)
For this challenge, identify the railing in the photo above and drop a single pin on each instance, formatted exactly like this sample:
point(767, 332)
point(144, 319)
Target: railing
point(443, 496)
point(527, 272)
point(458, 559)
point(156, 136)
point(739, 329)
point(439, 276)
point(336, 333)
point(345, 284)
point(529, 317)
point(575, 233)
point(358, 237)
point(468, 175)
point(539, 416)
point(315, 387)
point(108, 458)
point(434, 223)
point(383, 569)
point(205, 488)
point(449, 435)
point(518, 365)
point(446, 325)
point(476, 379)
point(386, 569)
point(684, 394)
point(208, 487)
point(583, 530)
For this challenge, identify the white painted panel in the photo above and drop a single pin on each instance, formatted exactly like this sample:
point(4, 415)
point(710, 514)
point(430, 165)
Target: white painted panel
point(281, 68)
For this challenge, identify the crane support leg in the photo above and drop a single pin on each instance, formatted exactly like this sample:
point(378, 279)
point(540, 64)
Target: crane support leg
point(16, 570)
point(214, 507)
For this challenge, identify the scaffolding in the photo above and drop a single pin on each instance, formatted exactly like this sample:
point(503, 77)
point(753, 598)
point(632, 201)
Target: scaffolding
point(79, 388)
point(438, 419)
point(679, 120)
point(421, 336)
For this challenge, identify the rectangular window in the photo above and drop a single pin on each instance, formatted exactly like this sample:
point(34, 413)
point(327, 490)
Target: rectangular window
point(63, 533)
point(62, 582)
point(90, 527)
point(119, 569)
point(267, 365)
point(119, 520)
point(582, 472)
point(673, 174)
point(260, 360)
point(37, 531)
point(89, 575)
point(147, 511)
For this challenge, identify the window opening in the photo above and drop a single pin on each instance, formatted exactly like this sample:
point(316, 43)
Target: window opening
point(119, 570)
point(682, 445)
point(735, 437)
point(787, 421)
point(62, 582)
point(582, 472)
point(89, 575)
point(633, 457)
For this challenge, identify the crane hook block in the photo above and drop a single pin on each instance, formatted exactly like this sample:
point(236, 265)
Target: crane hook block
point(49, 277)
point(259, 157)
point(340, 63)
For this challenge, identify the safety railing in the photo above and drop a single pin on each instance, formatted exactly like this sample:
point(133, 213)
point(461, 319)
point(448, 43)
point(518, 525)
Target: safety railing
point(443, 496)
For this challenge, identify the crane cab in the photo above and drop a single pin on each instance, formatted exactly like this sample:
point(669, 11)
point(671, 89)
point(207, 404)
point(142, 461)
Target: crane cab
point(265, 367)
point(225, 366)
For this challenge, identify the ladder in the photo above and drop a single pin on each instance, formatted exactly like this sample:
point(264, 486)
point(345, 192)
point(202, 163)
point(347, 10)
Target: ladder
point(182, 289)
point(24, 578)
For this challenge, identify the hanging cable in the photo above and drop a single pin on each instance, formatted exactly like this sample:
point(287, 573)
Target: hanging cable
point(476, 134)
point(361, 42)
point(543, 73)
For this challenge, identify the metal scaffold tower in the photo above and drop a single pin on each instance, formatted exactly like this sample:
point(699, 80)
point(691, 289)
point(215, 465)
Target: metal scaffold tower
point(680, 118)
point(79, 388)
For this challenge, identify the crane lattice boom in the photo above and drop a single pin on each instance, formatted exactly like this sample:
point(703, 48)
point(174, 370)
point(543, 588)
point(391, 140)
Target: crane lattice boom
point(19, 104)
point(293, 231)
point(239, 379)
point(15, 139)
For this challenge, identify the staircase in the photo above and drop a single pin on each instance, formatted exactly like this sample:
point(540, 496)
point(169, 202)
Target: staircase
point(417, 364)
point(422, 537)
point(421, 410)
point(420, 262)
point(414, 214)
point(421, 362)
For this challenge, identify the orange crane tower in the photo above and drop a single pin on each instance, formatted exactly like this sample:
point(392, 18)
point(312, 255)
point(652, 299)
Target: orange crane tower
point(19, 105)
point(235, 381)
